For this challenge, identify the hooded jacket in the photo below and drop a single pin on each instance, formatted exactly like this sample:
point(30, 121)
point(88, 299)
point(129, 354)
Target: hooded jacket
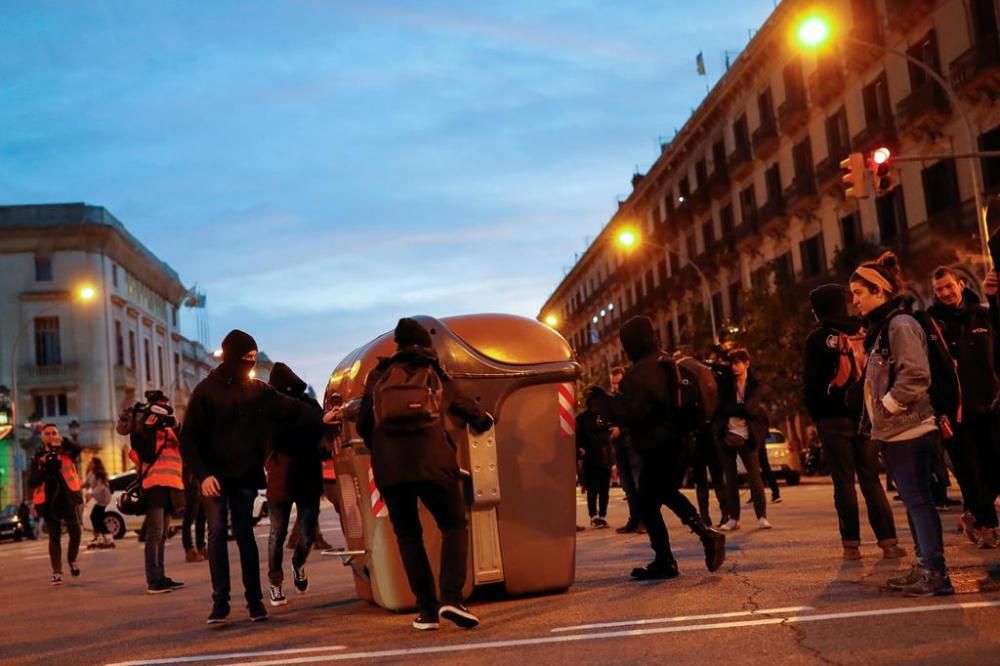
point(593, 436)
point(425, 455)
point(822, 355)
point(294, 465)
point(971, 336)
point(643, 392)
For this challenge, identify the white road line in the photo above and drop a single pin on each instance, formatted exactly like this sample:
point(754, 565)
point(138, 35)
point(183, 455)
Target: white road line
point(685, 618)
point(37, 557)
point(549, 640)
point(231, 655)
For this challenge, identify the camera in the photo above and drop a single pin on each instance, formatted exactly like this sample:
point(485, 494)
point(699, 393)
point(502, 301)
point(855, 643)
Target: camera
point(150, 416)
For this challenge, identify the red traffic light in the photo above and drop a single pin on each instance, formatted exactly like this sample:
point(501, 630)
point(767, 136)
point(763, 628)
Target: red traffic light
point(881, 155)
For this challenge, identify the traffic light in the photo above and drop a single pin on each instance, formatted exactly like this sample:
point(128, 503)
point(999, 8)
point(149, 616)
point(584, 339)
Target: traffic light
point(883, 173)
point(853, 175)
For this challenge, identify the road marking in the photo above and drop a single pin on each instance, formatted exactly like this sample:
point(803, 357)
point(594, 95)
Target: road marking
point(230, 655)
point(684, 618)
point(37, 557)
point(548, 640)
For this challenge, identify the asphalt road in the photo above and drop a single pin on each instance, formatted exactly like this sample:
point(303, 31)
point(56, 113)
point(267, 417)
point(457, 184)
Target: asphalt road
point(783, 596)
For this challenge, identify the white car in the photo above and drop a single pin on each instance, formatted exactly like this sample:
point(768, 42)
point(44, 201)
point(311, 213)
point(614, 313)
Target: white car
point(785, 464)
point(118, 523)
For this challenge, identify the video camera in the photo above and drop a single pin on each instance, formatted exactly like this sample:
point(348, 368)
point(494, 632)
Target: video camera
point(150, 416)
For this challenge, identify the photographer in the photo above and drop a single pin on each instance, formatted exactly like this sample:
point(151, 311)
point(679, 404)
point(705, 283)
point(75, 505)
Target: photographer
point(57, 495)
point(156, 453)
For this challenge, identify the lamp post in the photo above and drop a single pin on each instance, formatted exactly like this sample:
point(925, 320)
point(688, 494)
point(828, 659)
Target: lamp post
point(629, 239)
point(815, 31)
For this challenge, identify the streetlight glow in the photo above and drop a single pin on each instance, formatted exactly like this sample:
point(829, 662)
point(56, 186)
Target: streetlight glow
point(217, 353)
point(551, 321)
point(813, 31)
point(87, 293)
point(627, 239)
point(253, 373)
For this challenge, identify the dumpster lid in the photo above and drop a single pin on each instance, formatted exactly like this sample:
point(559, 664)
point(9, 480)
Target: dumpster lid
point(510, 339)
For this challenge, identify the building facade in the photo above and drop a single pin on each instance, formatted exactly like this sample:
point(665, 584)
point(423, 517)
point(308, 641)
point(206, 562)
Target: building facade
point(750, 190)
point(85, 360)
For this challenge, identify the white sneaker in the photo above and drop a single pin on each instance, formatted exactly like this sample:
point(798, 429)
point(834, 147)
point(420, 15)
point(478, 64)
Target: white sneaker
point(730, 525)
point(764, 525)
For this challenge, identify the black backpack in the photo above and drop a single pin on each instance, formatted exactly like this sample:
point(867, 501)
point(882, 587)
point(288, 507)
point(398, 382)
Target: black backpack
point(691, 393)
point(407, 399)
point(946, 389)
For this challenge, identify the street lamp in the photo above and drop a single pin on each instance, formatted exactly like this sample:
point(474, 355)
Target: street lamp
point(629, 239)
point(551, 321)
point(815, 30)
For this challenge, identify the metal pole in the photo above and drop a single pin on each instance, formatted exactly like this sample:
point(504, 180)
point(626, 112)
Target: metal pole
point(970, 137)
point(705, 287)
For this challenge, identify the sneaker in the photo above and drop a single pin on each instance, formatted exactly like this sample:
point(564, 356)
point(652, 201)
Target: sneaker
point(892, 552)
point(899, 581)
point(967, 526)
point(593, 521)
point(299, 578)
point(74, 569)
point(763, 524)
point(631, 527)
point(987, 538)
point(159, 587)
point(459, 614)
point(931, 584)
point(426, 622)
point(714, 542)
point(600, 522)
point(656, 570)
point(730, 525)
point(852, 553)
point(57, 579)
point(277, 596)
point(174, 584)
point(775, 500)
point(257, 611)
point(220, 611)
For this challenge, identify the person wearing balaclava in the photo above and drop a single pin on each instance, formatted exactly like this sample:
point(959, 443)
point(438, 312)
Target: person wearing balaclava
point(419, 462)
point(227, 433)
point(830, 374)
point(638, 406)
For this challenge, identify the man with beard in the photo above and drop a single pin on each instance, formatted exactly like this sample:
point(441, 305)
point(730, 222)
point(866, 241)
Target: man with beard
point(645, 406)
point(225, 440)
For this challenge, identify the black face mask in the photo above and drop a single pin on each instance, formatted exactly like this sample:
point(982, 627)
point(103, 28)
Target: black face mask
point(237, 369)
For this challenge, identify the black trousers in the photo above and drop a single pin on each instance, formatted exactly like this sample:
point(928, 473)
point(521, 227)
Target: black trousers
point(751, 461)
point(597, 480)
point(54, 519)
point(705, 461)
point(444, 501)
point(851, 456)
point(194, 514)
point(237, 503)
point(970, 450)
point(661, 472)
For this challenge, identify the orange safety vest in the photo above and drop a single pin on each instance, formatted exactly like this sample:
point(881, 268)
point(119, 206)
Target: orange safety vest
point(329, 473)
point(69, 475)
point(168, 470)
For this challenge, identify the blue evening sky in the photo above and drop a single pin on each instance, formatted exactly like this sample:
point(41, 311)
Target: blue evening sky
point(322, 168)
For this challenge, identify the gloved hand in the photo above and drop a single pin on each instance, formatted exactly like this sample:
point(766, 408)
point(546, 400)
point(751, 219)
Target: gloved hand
point(483, 424)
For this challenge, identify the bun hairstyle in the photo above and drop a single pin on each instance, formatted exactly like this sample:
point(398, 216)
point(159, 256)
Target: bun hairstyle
point(884, 274)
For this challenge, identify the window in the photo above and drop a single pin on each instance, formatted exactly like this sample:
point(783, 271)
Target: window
point(802, 157)
point(684, 187)
point(47, 347)
point(891, 215)
point(772, 177)
point(700, 174)
point(159, 362)
point(717, 307)
point(748, 205)
point(131, 349)
point(925, 51)
point(940, 187)
point(149, 366)
point(176, 316)
point(734, 300)
point(813, 256)
point(51, 405)
point(114, 274)
point(119, 344)
point(760, 280)
point(43, 268)
point(741, 132)
point(726, 221)
point(850, 230)
point(875, 96)
point(765, 107)
point(783, 270)
point(708, 232)
point(177, 365)
point(692, 245)
point(984, 19)
point(838, 140)
point(794, 84)
point(718, 156)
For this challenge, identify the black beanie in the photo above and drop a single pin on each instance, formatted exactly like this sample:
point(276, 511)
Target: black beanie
point(410, 333)
point(236, 345)
point(829, 301)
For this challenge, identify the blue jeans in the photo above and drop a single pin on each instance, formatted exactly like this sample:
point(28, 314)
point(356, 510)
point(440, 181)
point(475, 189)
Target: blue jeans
point(238, 503)
point(278, 513)
point(912, 463)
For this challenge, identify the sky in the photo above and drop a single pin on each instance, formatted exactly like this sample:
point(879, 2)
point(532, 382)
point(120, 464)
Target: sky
point(322, 168)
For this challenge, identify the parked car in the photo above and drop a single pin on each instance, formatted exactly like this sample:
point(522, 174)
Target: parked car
point(10, 525)
point(784, 463)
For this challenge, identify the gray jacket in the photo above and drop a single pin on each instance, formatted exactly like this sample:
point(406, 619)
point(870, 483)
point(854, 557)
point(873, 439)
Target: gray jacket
point(897, 367)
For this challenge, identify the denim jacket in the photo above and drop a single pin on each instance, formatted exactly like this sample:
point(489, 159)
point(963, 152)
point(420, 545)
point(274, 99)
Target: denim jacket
point(897, 378)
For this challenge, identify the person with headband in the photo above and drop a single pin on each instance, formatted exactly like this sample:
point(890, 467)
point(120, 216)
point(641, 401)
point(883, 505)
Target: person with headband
point(899, 416)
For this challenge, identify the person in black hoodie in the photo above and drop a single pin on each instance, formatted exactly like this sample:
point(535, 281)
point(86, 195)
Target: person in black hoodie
point(422, 464)
point(226, 438)
point(593, 442)
point(969, 327)
point(643, 405)
point(830, 372)
point(294, 476)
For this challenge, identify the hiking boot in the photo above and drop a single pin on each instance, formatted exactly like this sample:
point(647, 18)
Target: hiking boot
point(257, 611)
point(277, 597)
point(57, 579)
point(899, 581)
point(459, 615)
point(931, 584)
point(656, 570)
point(714, 542)
point(159, 587)
point(892, 552)
point(173, 584)
point(220, 611)
point(299, 578)
point(967, 525)
point(987, 538)
point(426, 622)
point(190, 555)
point(628, 528)
point(852, 553)
point(730, 525)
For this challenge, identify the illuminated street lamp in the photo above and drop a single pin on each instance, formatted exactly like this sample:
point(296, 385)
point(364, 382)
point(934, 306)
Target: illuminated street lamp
point(629, 239)
point(551, 321)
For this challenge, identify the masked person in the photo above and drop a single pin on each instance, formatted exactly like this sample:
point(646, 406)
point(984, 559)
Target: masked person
point(57, 495)
point(830, 374)
point(225, 440)
point(414, 458)
point(627, 462)
point(294, 476)
point(593, 441)
point(969, 329)
point(641, 406)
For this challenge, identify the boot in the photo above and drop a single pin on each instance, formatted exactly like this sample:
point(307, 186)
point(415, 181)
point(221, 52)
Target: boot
point(713, 540)
point(657, 570)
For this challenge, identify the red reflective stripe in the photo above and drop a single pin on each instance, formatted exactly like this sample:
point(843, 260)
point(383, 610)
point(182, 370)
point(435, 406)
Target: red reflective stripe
point(329, 472)
point(567, 422)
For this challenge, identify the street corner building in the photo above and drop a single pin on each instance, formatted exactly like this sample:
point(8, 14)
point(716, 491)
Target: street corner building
point(89, 321)
point(749, 197)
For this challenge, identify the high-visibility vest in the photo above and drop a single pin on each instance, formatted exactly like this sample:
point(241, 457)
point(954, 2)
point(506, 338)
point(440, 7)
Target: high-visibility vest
point(167, 471)
point(69, 475)
point(329, 473)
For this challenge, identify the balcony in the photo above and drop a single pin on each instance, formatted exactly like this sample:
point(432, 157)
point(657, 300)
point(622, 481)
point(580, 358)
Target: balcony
point(828, 173)
point(924, 112)
point(765, 139)
point(773, 213)
point(801, 195)
point(860, 57)
point(740, 161)
point(880, 132)
point(793, 114)
point(66, 374)
point(827, 83)
point(683, 213)
point(976, 73)
point(701, 200)
point(903, 15)
point(125, 377)
point(718, 182)
point(747, 230)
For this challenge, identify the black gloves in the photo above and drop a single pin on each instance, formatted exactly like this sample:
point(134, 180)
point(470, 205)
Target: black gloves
point(483, 424)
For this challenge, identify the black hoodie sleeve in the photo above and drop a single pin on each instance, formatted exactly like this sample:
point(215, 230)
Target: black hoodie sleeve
point(292, 412)
point(464, 407)
point(195, 433)
point(819, 366)
point(640, 395)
